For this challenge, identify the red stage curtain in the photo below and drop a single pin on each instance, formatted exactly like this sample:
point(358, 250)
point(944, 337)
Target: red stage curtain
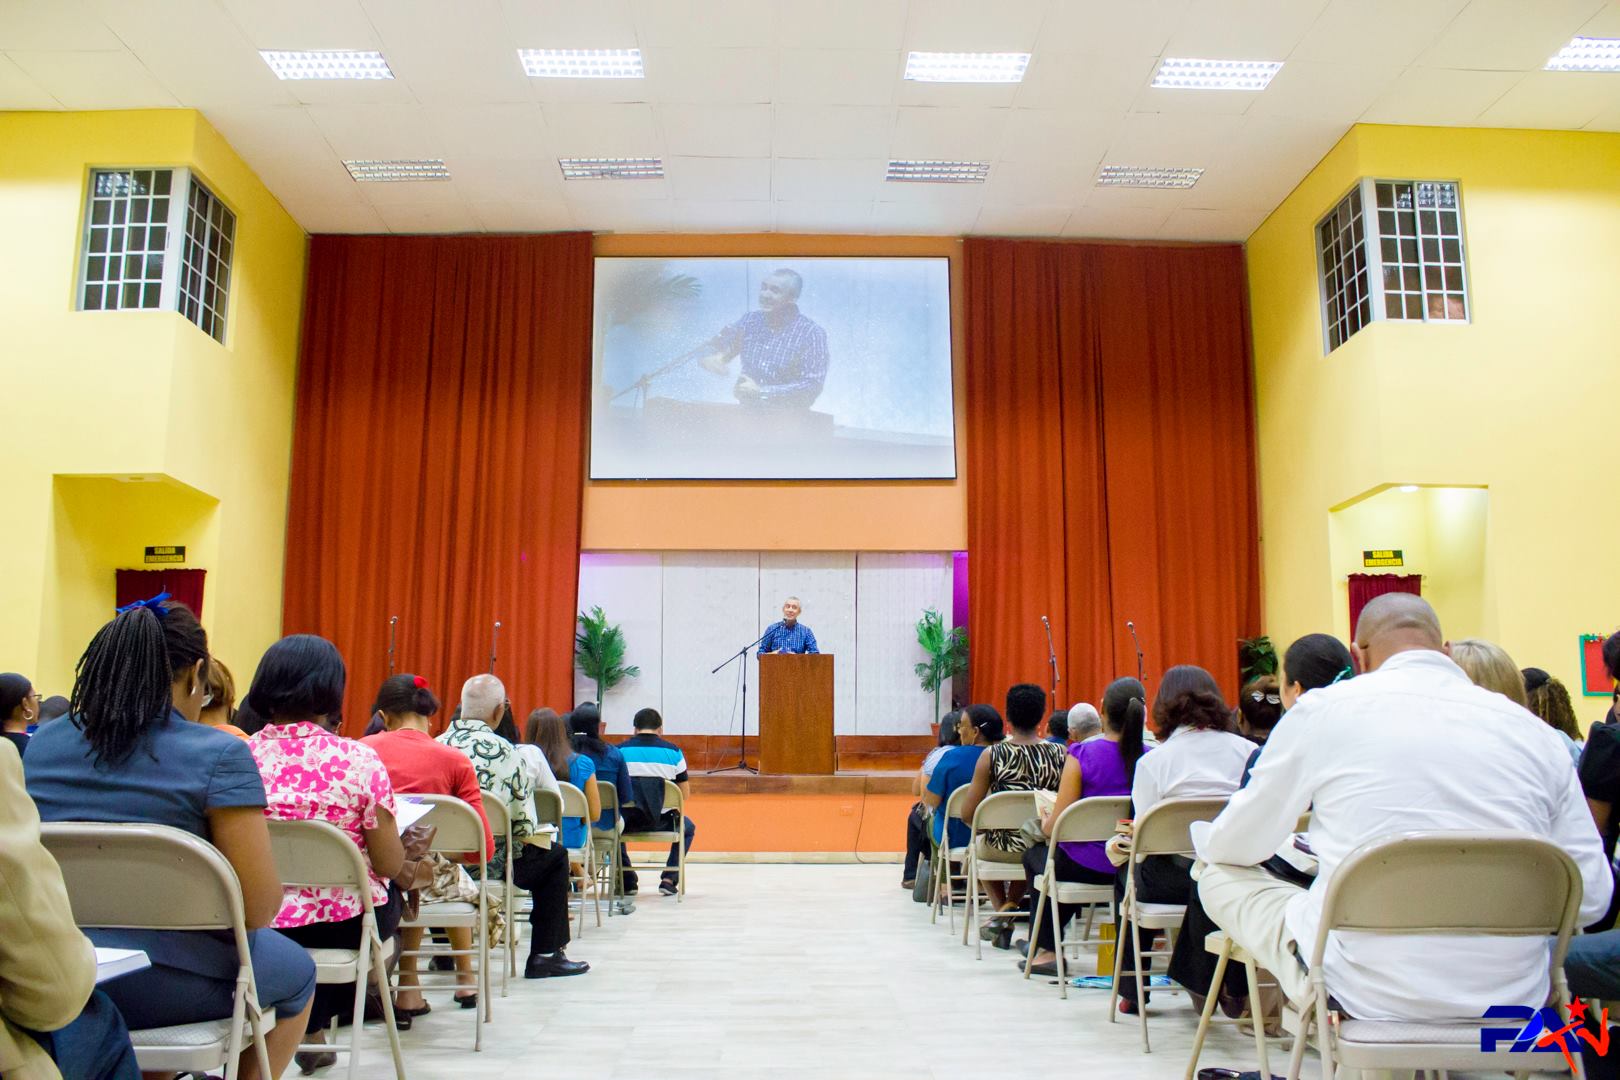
point(1110, 461)
point(438, 459)
point(1363, 587)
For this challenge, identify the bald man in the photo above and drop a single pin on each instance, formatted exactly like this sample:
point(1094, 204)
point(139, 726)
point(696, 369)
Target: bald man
point(1410, 744)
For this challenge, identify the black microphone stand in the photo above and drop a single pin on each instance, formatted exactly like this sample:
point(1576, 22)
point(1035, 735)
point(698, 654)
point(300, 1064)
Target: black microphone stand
point(1140, 676)
point(742, 727)
point(494, 643)
point(639, 387)
point(393, 623)
point(1051, 658)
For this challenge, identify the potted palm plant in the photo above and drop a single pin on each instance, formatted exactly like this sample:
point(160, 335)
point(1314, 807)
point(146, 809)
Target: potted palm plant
point(1257, 656)
point(599, 652)
point(947, 653)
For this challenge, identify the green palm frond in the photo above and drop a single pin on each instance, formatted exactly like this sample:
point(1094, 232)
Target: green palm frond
point(599, 652)
point(947, 653)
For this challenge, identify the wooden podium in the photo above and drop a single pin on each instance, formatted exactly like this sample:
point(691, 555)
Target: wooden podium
point(796, 714)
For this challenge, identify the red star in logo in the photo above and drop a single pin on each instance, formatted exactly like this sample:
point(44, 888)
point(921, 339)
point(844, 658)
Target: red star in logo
point(1577, 1009)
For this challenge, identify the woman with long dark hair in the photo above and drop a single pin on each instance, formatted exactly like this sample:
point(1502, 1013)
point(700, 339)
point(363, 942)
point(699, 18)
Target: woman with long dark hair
point(549, 732)
point(132, 750)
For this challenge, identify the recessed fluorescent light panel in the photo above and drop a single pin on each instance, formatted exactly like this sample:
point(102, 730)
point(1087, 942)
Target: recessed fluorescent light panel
point(327, 64)
point(605, 168)
point(938, 172)
point(1587, 54)
point(958, 67)
point(398, 171)
point(1185, 74)
point(582, 63)
point(1141, 177)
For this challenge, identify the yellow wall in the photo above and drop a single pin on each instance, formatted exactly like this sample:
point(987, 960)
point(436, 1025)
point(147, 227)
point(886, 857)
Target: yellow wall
point(106, 394)
point(1519, 401)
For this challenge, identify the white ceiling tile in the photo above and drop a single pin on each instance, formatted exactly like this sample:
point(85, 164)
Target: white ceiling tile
point(1185, 224)
point(923, 219)
point(569, 24)
point(19, 91)
point(1243, 29)
point(822, 180)
point(413, 193)
point(713, 76)
point(1264, 161)
point(408, 218)
point(496, 180)
point(602, 131)
point(211, 64)
point(716, 130)
point(1562, 100)
point(958, 95)
point(627, 217)
point(1084, 81)
point(823, 217)
point(1508, 35)
point(1022, 220)
point(709, 23)
point(304, 24)
point(713, 179)
point(1436, 96)
point(1059, 137)
point(489, 131)
point(834, 24)
point(906, 191)
point(834, 131)
point(1389, 33)
point(1120, 198)
point(699, 215)
point(949, 134)
point(1195, 102)
point(523, 217)
point(974, 26)
point(1160, 139)
point(94, 80)
point(1606, 23)
point(54, 26)
point(376, 131)
point(318, 215)
point(1106, 28)
point(838, 76)
point(601, 193)
point(1116, 222)
point(285, 149)
point(449, 53)
point(1316, 90)
point(1031, 183)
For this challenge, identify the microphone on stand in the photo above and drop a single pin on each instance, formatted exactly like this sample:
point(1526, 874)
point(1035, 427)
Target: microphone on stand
point(1051, 658)
point(494, 643)
point(393, 624)
point(1140, 677)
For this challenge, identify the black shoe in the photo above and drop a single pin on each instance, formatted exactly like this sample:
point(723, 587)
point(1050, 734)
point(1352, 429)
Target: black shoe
point(468, 1002)
point(557, 965)
point(309, 1060)
point(1022, 945)
point(630, 889)
point(668, 888)
point(1046, 967)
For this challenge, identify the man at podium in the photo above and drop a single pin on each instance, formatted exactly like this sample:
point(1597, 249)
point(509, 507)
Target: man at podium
point(790, 635)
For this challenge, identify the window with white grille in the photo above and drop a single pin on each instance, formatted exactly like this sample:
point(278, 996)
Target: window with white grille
point(1392, 249)
point(157, 239)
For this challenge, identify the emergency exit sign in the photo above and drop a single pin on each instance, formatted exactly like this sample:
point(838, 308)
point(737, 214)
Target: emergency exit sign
point(1383, 557)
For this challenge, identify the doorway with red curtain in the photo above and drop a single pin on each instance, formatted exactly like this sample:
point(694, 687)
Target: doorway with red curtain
point(183, 586)
point(1363, 587)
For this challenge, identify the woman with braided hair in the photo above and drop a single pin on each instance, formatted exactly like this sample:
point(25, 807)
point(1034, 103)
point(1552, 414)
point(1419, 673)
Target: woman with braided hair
point(131, 750)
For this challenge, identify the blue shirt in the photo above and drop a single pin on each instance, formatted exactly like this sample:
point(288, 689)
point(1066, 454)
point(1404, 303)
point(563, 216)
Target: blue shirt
point(611, 769)
point(784, 638)
point(176, 774)
point(954, 770)
point(581, 771)
point(788, 362)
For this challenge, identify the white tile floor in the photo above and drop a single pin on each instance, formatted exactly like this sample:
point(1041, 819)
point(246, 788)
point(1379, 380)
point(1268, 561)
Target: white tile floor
point(795, 972)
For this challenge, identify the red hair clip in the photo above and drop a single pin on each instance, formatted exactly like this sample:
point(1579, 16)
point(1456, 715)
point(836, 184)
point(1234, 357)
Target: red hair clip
point(421, 683)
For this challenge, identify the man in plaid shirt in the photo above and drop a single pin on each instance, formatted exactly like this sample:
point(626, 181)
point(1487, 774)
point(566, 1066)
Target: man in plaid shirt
point(784, 354)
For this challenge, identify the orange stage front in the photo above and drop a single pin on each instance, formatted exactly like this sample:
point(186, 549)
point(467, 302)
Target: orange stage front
point(847, 814)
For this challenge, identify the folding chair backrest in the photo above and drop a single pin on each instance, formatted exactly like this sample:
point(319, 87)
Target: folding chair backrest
point(1165, 828)
point(673, 798)
point(460, 831)
point(953, 804)
point(147, 877)
point(1489, 883)
point(1004, 810)
point(573, 802)
point(317, 854)
point(500, 818)
point(609, 794)
point(1090, 819)
point(548, 807)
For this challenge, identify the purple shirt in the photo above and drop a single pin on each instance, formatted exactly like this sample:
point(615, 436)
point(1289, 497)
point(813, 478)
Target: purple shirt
point(1102, 773)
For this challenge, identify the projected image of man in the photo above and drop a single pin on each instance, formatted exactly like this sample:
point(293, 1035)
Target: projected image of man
point(784, 353)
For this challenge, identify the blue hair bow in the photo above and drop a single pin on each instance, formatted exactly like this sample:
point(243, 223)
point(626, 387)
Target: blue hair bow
point(154, 605)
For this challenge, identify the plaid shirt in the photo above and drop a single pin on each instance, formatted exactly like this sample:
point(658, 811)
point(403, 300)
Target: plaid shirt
point(789, 364)
point(784, 638)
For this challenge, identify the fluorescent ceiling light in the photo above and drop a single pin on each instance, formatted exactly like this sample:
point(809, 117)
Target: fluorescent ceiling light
point(1409, 489)
point(612, 168)
point(1145, 177)
point(956, 67)
point(327, 64)
point(938, 172)
point(1180, 73)
point(397, 171)
point(1587, 54)
point(582, 63)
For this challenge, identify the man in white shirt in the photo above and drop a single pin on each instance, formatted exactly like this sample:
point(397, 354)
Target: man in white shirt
point(1409, 745)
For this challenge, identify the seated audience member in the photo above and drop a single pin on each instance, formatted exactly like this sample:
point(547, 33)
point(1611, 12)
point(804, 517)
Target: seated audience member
point(1548, 699)
point(419, 766)
point(535, 765)
point(1408, 745)
point(917, 819)
point(1259, 708)
point(1022, 762)
point(52, 708)
point(1600, 772)
point(1098, 768)
point(1488, 664)
point(650, 759)
point(312, 774)
point(1084, 723)
point(1198, 757)
point(51, 1013)
point(19, 707)
point(1057, 727)
point(543, 871)
point(506, 727)
point(132, 751)
point(978, 726)
point(585, 729)
point(219, 710)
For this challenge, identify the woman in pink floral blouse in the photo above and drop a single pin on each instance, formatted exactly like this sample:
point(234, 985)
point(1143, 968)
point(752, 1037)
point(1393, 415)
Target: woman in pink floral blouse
point(311, 773)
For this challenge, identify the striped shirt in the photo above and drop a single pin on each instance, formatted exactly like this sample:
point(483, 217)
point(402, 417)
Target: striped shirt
point(784, 638)
point(789, 363)
point(649, 755)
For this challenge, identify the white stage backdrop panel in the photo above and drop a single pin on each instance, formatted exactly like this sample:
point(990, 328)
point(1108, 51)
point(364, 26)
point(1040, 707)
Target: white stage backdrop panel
point(825, 583)
point(711, 609)
point(892, 591)
point(629, 587)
